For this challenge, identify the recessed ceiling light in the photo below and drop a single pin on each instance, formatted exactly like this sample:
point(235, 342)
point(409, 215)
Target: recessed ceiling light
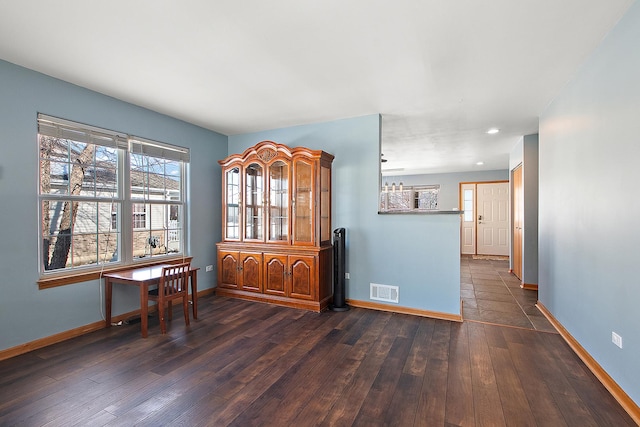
point(493, 131)
point(480, 163)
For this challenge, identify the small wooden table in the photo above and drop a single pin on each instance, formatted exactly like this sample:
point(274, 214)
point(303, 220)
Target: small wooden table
point(144, 277)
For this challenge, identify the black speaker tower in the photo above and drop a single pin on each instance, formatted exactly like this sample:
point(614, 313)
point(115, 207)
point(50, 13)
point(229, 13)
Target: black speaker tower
point(339, 261)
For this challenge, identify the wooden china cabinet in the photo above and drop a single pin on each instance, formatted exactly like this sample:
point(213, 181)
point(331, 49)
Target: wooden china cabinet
point(276, 226)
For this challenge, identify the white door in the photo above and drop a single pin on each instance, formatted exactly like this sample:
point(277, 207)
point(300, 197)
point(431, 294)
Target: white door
point(468, 220)
point(493, 218)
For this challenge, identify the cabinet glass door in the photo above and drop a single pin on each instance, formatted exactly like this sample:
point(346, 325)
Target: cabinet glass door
point(279, 201)
point(253, 199)
point(303, 212)
point(325, 204)
point(232, 214)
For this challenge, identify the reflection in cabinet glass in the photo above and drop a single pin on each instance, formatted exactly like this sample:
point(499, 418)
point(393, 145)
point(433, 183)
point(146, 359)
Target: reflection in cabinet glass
point(279, 201)
point(253, 202)
point(303, 209)
point(277, 226)
point(232, 217)
point(325, 203)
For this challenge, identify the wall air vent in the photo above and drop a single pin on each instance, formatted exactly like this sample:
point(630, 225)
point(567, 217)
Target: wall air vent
point(385, 293)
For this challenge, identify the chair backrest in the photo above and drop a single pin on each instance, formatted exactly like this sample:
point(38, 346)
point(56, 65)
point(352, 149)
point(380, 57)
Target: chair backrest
point(174, 280)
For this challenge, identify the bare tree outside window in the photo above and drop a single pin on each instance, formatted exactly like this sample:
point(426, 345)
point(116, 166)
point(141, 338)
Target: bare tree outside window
point(76, 176)
point(87, 218)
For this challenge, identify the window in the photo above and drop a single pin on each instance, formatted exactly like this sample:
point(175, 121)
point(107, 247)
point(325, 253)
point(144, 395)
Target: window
point(417, 198)
point(139, 215)
point(468, 203)
point(156, 180)
point(84, 172)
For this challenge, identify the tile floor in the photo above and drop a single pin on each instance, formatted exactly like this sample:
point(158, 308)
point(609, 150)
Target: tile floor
point(493, 295)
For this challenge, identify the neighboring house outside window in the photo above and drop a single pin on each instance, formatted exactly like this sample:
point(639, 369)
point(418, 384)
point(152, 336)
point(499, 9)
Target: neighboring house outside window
point(83, 171)
point(139, 215)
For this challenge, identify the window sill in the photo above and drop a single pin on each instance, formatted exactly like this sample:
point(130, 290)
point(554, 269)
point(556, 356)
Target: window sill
point(55, 280)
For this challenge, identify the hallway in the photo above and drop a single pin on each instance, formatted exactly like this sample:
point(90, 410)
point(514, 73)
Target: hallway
point(490, 294)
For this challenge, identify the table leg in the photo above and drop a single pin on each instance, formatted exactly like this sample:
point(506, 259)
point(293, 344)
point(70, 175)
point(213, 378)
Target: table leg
point(107, 301)
point(194, 292)
point(144, 308)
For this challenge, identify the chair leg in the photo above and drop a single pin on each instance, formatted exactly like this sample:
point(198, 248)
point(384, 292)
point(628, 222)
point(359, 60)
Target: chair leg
point(185, 309)
point(161, 316)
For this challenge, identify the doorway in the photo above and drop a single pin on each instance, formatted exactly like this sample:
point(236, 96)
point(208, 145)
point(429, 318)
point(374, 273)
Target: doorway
point(518, 223)
point(485, 221)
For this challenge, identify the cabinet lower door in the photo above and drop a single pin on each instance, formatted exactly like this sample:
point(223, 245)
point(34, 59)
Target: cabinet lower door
point(275, 274)
point(228, 269)
point(250, 271)
point(303, 277)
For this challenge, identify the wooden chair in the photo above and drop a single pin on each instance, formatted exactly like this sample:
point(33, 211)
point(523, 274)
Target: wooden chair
point(173, 285)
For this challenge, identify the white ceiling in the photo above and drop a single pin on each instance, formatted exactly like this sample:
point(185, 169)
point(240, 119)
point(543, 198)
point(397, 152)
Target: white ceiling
point(441, 72)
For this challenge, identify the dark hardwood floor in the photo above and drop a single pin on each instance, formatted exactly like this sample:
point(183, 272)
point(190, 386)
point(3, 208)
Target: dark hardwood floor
point(243, 363)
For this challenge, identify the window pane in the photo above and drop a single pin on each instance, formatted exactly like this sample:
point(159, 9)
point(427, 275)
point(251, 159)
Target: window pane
point(108, 247)
point(85, 249)
point(156, 180)
point(156, 166)
point(54, 165)
point(173, 178)
point(78, 169)
point(58, 262)
point(56, 241)
point(139, 176)
point(108, 232)
point(163, 233)
point(106, 171)
point(76, 149)
point(106, 182)
point(468, 205)
point(153, 178)
point(70, 234)
point(53, 149)
point(54, 177)
point(139, 215)
point(174, 235)
point(141, 244)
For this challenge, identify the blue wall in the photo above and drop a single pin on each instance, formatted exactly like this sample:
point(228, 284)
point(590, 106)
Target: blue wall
point(27, 313)
point(418, 253)
point(525, 153)
point(589, 175)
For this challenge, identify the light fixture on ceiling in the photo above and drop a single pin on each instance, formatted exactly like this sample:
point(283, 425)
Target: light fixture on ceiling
point(493, 131)
point(480, 163)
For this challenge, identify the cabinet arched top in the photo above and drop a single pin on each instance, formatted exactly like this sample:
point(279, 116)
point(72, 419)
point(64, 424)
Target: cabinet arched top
point(266, 151)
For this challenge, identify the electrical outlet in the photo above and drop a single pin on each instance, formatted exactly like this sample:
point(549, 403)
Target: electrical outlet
point(346, 276)
point(616, 339)
point(209, 268)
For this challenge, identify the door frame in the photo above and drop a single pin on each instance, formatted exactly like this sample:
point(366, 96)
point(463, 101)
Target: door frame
point(517, 212)
point(475, 211)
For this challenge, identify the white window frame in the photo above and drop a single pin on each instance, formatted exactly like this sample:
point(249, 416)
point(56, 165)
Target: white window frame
point(125, 145)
